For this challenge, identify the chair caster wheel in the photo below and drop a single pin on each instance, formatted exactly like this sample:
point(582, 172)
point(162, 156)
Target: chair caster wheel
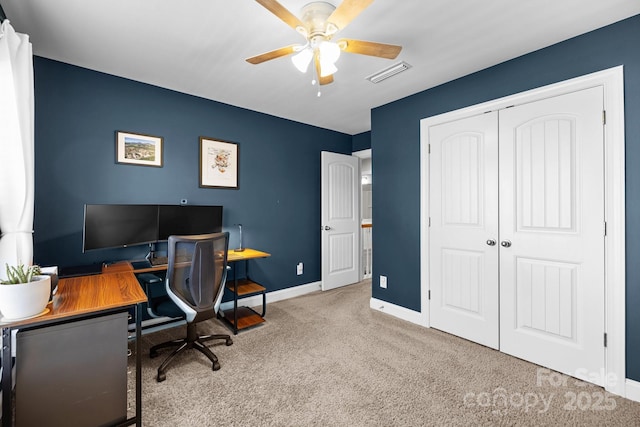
point(161, 377)
point(216, 365)
point(229, 341)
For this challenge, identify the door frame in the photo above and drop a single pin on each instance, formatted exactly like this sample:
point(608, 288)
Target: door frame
point(364, 154)
point(612, 81)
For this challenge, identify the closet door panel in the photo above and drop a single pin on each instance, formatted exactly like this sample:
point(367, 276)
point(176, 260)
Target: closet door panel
point(552, 216)
point(464, 200)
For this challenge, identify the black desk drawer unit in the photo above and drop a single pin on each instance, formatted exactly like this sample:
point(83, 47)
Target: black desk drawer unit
point(72, 374)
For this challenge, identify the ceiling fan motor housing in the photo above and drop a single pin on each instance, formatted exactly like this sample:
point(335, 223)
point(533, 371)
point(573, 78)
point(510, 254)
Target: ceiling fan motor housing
point(314, 17)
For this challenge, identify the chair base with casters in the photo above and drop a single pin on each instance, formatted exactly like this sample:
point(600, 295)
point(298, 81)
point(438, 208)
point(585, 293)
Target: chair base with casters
point(193, 340)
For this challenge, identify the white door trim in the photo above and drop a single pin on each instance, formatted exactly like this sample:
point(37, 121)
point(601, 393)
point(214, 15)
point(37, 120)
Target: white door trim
point(363, 154)
point(612, 80)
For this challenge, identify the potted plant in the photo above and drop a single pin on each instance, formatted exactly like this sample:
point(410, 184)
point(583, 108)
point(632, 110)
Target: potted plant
point(24, 293)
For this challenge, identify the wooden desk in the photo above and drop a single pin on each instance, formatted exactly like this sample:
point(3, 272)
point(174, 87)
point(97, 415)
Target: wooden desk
point(244, 317)
point(233, 256)
point(237, 318)
point(78, 298)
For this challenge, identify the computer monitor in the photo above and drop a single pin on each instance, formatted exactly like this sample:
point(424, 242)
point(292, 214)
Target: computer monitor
point(188, 220)
point(116, 226)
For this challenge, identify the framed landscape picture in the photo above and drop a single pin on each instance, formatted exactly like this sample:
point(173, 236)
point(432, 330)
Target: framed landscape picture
point(218, 163)
point(138, 149)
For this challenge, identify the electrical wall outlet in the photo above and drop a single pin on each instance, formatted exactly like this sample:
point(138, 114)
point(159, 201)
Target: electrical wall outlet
point(383, 282)
point(299, 268)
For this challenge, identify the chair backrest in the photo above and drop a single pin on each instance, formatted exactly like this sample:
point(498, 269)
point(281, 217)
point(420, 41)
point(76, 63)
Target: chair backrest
point(197, 273)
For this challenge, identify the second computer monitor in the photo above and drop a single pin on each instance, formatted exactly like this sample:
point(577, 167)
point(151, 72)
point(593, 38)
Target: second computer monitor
point(188, 220)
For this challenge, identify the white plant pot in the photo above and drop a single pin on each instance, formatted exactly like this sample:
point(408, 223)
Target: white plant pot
point(24, 300)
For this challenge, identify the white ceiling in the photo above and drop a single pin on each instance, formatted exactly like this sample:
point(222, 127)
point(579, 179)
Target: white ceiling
point(199, 46)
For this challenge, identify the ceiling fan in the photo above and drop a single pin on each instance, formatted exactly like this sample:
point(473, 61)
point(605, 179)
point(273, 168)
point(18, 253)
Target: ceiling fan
point(319, 22)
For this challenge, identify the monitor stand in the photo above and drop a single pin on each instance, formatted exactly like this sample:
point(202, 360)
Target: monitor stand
point(153, 259)
point(152, 253)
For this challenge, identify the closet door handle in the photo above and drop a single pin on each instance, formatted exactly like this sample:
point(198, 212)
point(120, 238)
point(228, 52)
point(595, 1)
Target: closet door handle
point(491, 242)
point(505, 243)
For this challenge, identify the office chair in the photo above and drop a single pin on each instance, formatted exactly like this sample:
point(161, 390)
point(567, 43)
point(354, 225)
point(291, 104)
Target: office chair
point(196, 277)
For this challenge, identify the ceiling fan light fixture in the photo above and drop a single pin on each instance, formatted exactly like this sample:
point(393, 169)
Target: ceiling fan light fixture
point(329, 51)
point(327, 69)
point(328, 54)
point(302, 59)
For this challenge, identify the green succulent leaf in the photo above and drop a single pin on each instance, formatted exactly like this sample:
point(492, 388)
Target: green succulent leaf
point(20, 274)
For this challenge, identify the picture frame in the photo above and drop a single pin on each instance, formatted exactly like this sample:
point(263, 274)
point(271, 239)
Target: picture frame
point(139, 149)
point(219, 161)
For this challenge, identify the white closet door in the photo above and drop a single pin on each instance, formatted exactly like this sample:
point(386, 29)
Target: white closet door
point(552, 215)
point(464, 217)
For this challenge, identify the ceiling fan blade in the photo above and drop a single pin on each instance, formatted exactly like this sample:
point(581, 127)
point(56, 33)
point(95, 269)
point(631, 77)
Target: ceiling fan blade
point(282, 12)
point(321, 80)
point(325, 80)
point(347, 11)
point(388, 51)
point(283, 51)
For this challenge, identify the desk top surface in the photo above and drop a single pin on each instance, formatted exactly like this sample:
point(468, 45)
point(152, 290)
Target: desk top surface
point(90, 294)
point(116, 287)
point(247, 253)
point(232, 256)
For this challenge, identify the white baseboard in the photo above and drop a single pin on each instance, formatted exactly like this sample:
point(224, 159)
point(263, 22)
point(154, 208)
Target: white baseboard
point(282, 294)
point(396, 311)
point(632, 390)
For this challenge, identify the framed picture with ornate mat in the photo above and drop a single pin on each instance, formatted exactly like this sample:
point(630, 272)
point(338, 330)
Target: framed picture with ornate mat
point(218, 163)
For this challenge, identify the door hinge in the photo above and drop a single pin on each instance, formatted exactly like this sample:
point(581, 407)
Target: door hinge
point(429, 294)
point(605, 339)
point(604, 117)
point(605, 228)
point(429, 148)
point(429, 221)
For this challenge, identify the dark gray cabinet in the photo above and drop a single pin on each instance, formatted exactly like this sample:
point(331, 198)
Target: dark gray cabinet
point(72, 374)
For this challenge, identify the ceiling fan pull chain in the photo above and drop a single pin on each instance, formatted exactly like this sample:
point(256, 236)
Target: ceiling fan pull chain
point(316, 79)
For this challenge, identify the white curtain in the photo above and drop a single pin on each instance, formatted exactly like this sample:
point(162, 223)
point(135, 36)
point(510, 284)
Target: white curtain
point(16, 148)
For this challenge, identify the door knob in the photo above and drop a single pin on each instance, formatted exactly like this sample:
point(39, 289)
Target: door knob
point(327, 228)
point(505, 243)
point(491, 242)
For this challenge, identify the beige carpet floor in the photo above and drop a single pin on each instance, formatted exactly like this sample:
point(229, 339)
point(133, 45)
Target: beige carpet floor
point(327, 359)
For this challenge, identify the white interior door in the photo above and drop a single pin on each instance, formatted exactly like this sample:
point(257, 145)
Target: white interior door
point(552, 228)
point(463, 262)
point(340, 216)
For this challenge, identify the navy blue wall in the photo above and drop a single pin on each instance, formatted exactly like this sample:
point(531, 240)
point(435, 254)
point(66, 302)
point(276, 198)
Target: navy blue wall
point(77, 114)
point(361, 141)
point(395, 141)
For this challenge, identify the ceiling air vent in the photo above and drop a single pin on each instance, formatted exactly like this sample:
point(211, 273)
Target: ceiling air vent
point(388, 72)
